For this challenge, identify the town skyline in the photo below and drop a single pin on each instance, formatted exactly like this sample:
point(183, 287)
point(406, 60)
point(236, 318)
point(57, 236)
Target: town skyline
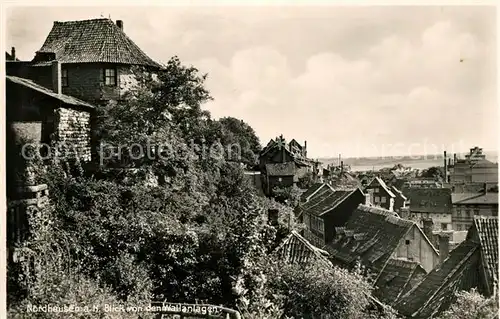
point(344, 79)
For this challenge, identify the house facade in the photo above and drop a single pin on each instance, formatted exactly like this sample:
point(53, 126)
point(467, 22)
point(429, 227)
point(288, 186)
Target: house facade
point(433, 203)
point(99, 62)
point(468, 205)
point(382, 195)
point(325, 210)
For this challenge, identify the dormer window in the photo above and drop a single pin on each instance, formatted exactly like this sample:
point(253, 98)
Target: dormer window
point(109, 76)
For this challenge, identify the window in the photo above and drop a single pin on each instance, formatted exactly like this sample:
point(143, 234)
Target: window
point(109, 77)
point(317, 224)
point(407, 242)
point(280, 179)
point(377, 190)
point(377, 199)
point(444, 226)
point(476, 211)
point(383, 199)
point(64, 77)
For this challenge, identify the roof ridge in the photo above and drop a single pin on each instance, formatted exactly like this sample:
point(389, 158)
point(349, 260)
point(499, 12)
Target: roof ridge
point(83, 20)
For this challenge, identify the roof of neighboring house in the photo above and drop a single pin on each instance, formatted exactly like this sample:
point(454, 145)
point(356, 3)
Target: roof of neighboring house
point(474, 198)
point(484, 163)
point(8, 57)
point(395, 279)
point(430, 200)
point(296, 249)
point(311, 191)
point(95, 40)
point(325, 200)
point(281, 169)
point(487, 230)
point(382, 184)
point(398, 192)
point(436, 291)
point(61, 97)
point(371, 234)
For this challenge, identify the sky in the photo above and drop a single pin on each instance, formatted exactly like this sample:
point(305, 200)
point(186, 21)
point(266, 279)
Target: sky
point(356, 81)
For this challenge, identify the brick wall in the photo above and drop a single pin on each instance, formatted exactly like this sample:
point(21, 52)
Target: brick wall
point(72, 131)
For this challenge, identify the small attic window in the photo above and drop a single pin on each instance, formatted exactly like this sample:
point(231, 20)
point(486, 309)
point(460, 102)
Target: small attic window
point(108, 76)
point(407, 242)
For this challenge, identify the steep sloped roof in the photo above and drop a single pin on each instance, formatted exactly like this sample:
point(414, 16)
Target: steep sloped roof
point(487, 230)
point(475, 198)
point(95, 40)
point(325, 200)
point(296, 249)
point(379, 181)
point(399, 193)
point(395, 277)
point(437, 290)
point(371, 235)
point(311, 191)
point(67, 99)
point(432, 200)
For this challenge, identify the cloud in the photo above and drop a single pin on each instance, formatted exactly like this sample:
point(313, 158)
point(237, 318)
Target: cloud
point(346, 79)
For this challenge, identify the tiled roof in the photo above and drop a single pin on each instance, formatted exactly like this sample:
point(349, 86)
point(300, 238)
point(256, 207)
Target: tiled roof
point(487, 230)
point(379, 232)
point(296, 249)
point(474, 198)
point(325, 200)
point(95, 40)
point(431, 200)
point(395, 278)
point(281, 169)
point(313, 189)
point(484, 164)
point(397, 192)
point(436, 291)
point(61, 97)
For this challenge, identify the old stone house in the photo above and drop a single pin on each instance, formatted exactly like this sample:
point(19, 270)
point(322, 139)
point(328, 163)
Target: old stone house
point(283, 164)
point(99, 62)
point(326, 209)
point(434, 203)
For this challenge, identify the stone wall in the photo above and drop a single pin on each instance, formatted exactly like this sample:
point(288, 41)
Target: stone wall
point(73, 132)
point(85, 82)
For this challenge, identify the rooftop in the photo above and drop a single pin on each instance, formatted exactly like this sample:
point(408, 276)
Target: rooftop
point(474, 198)
point(296, 249)
point(91, 41)
point(325, 200)
point(432, 200)
point(61, 97)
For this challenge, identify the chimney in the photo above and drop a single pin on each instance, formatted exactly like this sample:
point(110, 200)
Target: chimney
point(445, 168)
point(485, 188)
point(272, 216)
point(444, 246)
point(368, 201)
point(341, 167)
point(56, 77)
point(305, 148)
point(428, 227)
point(13, 53)
point(454, 158)
point(119, 24)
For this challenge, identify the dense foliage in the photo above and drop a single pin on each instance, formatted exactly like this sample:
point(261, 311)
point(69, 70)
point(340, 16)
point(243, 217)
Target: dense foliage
point(472, 305)
point(169, 223)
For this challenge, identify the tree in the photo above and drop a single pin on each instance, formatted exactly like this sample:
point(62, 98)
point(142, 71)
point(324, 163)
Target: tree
point(472, 305)
point(433, 172)
point(242, 137)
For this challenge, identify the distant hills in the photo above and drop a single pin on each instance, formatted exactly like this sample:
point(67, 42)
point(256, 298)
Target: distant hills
point(418, 162)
